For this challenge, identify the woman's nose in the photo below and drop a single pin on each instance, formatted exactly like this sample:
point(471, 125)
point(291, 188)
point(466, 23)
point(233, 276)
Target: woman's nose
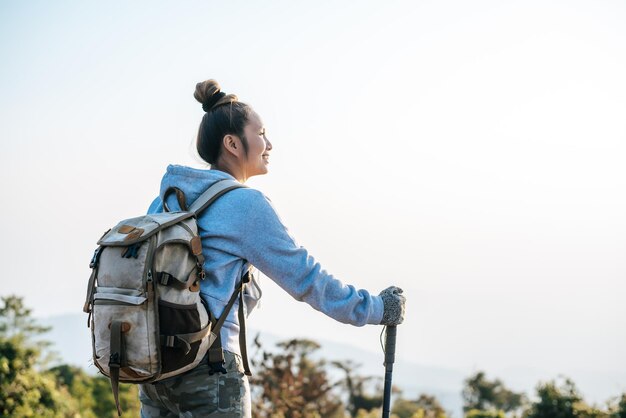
point(268, 144)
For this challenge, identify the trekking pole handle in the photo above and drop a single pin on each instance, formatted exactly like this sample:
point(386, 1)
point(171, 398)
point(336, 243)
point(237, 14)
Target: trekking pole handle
point(390, 357)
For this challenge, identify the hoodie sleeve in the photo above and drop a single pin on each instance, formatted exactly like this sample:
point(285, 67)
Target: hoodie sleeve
point(266, 244)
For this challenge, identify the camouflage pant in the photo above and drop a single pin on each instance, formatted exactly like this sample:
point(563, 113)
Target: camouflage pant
point(198, 394)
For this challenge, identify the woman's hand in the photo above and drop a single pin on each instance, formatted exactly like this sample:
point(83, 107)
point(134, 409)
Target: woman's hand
point(393, 302)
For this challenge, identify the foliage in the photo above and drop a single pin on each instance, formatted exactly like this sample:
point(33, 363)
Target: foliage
point(373, 413)
point(26, 392)
point(485, 395)
point(23, 390)
point(292, 385)
point(475, 413)
point(562, 401)
point(105, 407)
point(619, 411)
point(93, 393)
point(425, 406)
point(358, 397)
point(555, 401)
point(617, 407)
point(16, 321)
point(16, 324)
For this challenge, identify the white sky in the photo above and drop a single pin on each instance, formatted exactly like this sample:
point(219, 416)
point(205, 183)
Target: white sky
point(470, 152)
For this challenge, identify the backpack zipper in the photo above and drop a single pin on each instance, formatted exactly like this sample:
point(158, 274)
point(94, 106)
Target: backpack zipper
point(148, 283)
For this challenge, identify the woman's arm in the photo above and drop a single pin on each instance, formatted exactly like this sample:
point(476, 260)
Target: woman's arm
point(266, 244)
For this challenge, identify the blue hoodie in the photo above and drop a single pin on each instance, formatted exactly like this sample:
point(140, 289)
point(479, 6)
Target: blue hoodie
point(243, 226)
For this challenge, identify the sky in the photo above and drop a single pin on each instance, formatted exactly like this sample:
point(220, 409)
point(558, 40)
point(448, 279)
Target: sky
point(471, 153)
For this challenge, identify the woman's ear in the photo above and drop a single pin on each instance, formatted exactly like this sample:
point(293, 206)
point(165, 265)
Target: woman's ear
point(232, 145)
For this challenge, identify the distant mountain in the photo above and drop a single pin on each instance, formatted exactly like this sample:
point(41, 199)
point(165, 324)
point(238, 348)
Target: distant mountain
point(71, 338)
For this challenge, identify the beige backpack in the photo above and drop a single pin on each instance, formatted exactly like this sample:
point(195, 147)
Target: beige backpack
point(148, 321)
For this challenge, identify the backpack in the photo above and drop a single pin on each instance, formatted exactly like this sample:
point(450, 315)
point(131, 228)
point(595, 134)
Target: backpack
point(147, 319)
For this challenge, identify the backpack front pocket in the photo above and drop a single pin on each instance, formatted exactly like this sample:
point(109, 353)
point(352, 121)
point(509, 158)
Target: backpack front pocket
point(133, 347)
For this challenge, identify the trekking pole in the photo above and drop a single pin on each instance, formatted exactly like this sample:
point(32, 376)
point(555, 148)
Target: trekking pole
point(390, 357)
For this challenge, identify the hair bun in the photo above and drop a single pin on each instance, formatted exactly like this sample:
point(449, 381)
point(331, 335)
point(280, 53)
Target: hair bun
point(209, 93)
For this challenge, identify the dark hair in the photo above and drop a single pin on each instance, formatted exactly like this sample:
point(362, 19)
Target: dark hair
point(225, 114)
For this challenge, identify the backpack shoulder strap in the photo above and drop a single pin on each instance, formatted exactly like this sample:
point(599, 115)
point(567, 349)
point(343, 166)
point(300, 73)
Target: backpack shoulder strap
point(213, 193)
point(216, 352)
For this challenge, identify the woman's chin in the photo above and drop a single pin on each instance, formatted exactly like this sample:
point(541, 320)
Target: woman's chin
point(260, 171)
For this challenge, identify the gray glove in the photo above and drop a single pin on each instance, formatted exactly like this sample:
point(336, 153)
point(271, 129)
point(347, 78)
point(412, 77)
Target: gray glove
point(393, 302)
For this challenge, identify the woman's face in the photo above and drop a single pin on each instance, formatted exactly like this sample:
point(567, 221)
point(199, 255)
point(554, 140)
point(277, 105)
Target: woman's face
point(258, 147)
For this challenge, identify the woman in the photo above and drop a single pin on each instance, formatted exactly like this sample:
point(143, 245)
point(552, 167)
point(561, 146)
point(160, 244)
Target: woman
point(241, 229)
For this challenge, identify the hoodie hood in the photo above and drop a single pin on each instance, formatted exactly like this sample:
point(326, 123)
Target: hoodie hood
point(192, 181)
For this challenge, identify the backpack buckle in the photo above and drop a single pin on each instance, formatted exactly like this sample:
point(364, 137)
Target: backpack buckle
point(174, 341)
point(164, 278)
point(216, 361)
point(115, 360)
point(201, 273)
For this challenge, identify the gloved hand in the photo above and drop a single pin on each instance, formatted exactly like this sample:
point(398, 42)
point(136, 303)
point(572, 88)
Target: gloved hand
point(393, 302)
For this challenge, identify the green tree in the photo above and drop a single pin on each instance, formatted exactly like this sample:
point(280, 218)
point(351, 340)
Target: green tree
point(359, 399)
point(24, 391)
point(79, 384)
point(377, 412)
point(426, 406)
point(482, 394)
point(620, 409)
point(105, 405)
point(475, 413)
point(617, 407)
point(93, 394)
point(16, 323)
point(374, 413)
point(292, 385)
point(16, 320)
point(561, 401)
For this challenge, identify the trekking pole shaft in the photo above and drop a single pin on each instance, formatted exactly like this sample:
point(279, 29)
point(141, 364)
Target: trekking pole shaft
point(390, 357)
